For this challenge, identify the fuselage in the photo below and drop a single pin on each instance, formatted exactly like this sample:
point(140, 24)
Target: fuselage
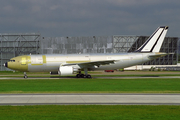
point(52, 62)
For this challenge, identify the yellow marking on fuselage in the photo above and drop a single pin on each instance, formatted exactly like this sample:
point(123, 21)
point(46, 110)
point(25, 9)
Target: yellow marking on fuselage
point(44, 58)
point(23, 61)
point(36, 64)
point(28, 60)
point(52, 61)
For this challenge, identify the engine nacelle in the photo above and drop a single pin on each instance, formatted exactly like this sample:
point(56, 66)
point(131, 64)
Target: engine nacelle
point(66, 70)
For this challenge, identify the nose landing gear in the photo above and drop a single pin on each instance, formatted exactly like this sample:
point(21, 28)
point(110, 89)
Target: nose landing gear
point(25, 76)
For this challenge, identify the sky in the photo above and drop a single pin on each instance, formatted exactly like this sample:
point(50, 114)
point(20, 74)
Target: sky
point(61, 18)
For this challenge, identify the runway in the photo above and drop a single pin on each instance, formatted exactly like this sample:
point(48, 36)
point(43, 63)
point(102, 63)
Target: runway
point(89, 99)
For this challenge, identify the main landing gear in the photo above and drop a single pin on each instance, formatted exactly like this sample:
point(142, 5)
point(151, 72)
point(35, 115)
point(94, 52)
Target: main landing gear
point(83, 76)
point(86, 75)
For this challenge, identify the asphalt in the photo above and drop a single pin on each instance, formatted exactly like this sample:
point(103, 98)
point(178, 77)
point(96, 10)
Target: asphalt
point(140, 77)
point(89, 99)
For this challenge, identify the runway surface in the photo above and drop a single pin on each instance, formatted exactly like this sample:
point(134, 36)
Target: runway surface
point(90, 99)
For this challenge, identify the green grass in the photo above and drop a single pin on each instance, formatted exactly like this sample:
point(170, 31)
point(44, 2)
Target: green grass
point(90, 112)
point(90, 86)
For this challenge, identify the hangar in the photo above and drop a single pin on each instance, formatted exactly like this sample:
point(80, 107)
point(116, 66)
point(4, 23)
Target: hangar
point(12, 45)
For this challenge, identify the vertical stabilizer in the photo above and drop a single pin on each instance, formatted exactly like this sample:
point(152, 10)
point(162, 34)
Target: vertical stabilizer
point(154, 42)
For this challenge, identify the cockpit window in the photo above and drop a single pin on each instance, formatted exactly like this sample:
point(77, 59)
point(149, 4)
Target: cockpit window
point(12, 60)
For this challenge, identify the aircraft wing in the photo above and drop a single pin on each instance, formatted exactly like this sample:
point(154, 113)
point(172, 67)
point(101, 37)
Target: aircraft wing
point(91, 64)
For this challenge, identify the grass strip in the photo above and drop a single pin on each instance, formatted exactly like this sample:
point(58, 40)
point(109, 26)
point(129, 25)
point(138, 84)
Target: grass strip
point(90, 86)
point(90, 112)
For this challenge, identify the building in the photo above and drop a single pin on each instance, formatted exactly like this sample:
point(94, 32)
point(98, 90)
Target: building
point(12, 45)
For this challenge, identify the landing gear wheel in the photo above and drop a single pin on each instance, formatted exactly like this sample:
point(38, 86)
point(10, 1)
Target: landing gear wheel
point(82, 75)
point(25, 76)
point(78, 75)
point(88, 76)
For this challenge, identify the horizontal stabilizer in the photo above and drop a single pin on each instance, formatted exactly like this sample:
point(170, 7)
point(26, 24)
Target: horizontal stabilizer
point(157, 55)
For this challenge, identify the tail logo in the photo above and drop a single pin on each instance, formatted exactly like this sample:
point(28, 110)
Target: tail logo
point(154, 42)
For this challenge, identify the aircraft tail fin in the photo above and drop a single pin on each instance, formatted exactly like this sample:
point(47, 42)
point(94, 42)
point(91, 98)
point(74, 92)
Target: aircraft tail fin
point(154, 42)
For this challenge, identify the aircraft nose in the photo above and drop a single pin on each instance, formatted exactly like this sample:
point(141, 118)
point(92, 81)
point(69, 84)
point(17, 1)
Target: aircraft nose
point(6, 64)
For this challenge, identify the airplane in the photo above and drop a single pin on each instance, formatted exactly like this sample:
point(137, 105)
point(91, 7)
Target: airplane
point(67, 64)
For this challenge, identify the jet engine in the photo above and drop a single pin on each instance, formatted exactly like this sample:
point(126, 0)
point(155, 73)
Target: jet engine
point(67, 70)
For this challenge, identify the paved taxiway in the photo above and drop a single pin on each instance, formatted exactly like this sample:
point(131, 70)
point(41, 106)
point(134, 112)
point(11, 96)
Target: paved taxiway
point(74, 99)
point(72, 77)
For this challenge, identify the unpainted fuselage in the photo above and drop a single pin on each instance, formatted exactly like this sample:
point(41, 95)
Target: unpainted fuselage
point(52, 62)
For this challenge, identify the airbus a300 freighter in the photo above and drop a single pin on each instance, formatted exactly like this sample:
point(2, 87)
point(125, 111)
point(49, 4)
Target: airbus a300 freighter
point(75, 63)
